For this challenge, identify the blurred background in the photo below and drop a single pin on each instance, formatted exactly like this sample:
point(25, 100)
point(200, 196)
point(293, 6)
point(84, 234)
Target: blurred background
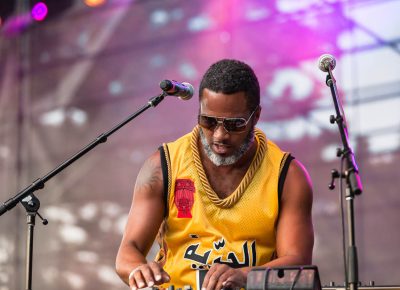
point(72, 69)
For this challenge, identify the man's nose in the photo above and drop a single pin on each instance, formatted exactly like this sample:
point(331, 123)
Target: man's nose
point(219, 131)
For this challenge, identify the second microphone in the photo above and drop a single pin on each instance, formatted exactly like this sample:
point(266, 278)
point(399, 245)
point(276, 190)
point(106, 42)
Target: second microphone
point(183, 90)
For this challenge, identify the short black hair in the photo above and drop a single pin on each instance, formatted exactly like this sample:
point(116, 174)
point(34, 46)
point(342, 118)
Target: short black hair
point(229, 76)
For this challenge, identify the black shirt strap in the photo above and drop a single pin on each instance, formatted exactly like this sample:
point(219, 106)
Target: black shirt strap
point(283, 172)
point(164, 156)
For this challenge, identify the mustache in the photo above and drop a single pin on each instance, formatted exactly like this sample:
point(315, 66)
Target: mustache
point(218, 142)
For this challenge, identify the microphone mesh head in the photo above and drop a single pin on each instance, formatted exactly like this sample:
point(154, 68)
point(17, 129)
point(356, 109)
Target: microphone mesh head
point(325, 61)
point(190, 94)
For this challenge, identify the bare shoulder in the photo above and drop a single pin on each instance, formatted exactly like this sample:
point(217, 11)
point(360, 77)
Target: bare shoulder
point(147, 206)
point(298, 185)
point(150, 178)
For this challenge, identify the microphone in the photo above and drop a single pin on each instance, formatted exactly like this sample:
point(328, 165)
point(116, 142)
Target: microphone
point(325, 62)
point(184, 91)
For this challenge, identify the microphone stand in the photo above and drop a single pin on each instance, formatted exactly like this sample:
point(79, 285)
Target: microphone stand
point(353, 182)
point(32, 203)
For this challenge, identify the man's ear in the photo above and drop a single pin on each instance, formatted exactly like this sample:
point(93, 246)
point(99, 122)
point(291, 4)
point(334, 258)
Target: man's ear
point(257, 115)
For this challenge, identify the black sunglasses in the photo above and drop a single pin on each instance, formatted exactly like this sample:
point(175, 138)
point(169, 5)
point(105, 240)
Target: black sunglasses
point(230, 124)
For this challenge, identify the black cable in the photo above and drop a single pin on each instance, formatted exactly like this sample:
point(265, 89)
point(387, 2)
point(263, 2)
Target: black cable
point(296, 278)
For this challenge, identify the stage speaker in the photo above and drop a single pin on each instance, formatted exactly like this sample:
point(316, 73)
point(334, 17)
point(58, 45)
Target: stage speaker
point(284, 278)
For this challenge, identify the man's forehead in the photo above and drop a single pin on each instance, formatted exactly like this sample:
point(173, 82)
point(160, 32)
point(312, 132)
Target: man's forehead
point(212, 96)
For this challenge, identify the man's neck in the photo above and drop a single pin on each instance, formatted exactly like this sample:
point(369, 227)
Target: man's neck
point(225, 179)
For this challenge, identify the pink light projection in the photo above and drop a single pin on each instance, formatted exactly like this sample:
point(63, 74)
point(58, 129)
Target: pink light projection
point(39, 11)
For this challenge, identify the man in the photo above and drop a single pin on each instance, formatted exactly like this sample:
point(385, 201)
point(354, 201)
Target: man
point(223, 198)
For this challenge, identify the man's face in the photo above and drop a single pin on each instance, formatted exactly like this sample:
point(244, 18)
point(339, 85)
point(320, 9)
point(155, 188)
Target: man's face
point(222, 147)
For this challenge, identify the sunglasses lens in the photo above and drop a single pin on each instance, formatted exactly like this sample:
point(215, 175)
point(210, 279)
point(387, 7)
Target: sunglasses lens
point(207, 122)
point(235, 124)
point(230, 124)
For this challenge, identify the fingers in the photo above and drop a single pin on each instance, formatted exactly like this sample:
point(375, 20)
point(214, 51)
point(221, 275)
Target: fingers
point(229, 285)
point(160, 276)
point(165, 277)
point(136, 279)
point(147, 275)
point(216, 277)
point(222, 276)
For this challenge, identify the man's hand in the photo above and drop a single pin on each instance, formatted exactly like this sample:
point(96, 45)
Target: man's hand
point(147, 275)
point(222, 276)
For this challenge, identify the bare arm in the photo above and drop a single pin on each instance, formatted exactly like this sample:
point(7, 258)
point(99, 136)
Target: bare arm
point(295, 234)
point(145, 217)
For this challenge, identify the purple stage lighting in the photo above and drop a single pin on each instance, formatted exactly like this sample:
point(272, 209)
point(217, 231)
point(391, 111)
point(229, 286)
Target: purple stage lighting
point(39, 11)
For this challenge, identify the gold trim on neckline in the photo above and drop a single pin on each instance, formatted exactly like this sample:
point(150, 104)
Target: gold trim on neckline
point(234, 197)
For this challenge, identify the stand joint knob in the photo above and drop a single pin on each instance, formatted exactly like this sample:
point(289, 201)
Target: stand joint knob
point(334, 174)
point(44, 221)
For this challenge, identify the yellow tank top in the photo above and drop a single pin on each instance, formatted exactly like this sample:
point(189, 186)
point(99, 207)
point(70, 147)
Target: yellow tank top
point(201, 229)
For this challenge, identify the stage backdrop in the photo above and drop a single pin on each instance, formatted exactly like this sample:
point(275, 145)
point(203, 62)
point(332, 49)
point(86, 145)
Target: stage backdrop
point(65, 80)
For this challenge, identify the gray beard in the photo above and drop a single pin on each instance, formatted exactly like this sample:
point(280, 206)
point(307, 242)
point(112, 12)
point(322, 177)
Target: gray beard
point(218, 160)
